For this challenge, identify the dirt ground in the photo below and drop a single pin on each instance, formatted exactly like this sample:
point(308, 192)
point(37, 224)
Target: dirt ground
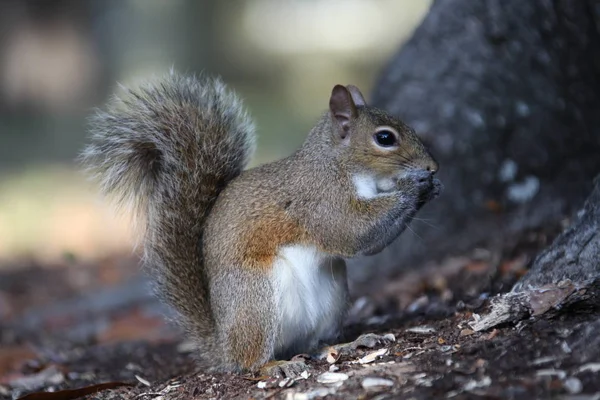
point(69, 331)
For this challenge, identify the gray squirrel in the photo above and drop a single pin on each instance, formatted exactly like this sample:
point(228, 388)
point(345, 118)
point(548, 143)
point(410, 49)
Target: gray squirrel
point(253, 260)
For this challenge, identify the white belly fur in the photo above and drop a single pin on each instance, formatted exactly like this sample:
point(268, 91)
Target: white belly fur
point(311, 297)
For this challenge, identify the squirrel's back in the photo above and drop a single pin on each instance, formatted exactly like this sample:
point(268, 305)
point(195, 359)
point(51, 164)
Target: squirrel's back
point(167, 149)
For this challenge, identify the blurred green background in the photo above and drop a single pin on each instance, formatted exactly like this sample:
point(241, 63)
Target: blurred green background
point(60, 59)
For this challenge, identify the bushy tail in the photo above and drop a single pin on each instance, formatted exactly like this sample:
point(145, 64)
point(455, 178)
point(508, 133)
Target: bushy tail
point(169, 148)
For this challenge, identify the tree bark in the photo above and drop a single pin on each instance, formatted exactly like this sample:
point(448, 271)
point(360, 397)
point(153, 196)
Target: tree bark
point(574, 255)
point(506, 95)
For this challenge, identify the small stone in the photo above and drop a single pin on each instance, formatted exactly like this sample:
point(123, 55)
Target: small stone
point(573, 385)
point(369, 383)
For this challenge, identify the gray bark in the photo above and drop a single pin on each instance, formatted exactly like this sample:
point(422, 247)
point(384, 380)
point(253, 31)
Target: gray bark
point(575, 254)
point(506, 94)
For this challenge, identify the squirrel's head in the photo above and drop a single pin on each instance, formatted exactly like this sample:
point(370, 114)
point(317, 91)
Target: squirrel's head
point(373, 142)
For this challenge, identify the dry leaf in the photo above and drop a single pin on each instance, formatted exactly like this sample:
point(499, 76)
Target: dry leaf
point(74, 393)
point(142, 380)
point(369, 358)
point(332, 355)
point(492, 335)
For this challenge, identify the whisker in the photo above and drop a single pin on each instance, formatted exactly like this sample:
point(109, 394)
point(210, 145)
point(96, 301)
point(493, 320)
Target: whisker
point(426, 222)
point(412, 230)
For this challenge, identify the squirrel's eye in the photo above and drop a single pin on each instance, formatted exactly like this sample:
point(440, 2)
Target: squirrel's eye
point(385, 138)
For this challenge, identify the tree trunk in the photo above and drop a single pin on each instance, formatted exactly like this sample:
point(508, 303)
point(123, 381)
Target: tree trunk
point(575, 254)
point(506, 94)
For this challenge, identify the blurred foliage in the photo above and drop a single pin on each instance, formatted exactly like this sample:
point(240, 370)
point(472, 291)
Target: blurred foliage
point(60, 59)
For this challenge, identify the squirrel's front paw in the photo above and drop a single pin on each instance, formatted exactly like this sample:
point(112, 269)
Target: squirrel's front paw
point(287, 369)
point(422, 183)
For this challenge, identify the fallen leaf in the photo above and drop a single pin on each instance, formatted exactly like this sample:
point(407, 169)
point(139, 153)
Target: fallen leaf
point(142, 380)
point(133, 326)
point(491, 335)
point(493, 206)
point(369, 358)
point(73, 393)
point(549, 296)
point(552, 372)
point(477, 266)
point(466, 332)
point(592, 367)
point(12, 359)
point(333, 355)
point(49, 376)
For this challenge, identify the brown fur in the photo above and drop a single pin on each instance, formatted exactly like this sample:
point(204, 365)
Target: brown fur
point(264, 238)
point(177, 149)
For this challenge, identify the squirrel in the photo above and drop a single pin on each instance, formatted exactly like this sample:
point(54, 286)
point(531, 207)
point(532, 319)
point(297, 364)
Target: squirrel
point(252, 260)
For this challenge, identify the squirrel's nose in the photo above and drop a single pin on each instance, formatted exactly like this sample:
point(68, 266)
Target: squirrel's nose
point(432, 166)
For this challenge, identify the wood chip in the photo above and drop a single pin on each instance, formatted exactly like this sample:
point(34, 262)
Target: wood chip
point(369, 358)
point(304, 374)
point(516, 306)
point(552, 372)
point(591, 367)
point(142, 380)
point(421, 329)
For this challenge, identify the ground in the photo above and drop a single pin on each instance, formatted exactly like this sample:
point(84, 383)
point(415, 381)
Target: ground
point(71, 327)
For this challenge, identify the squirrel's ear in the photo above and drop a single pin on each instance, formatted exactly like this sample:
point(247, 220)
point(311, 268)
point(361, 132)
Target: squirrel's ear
point(342, 106)
point(357, 97)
